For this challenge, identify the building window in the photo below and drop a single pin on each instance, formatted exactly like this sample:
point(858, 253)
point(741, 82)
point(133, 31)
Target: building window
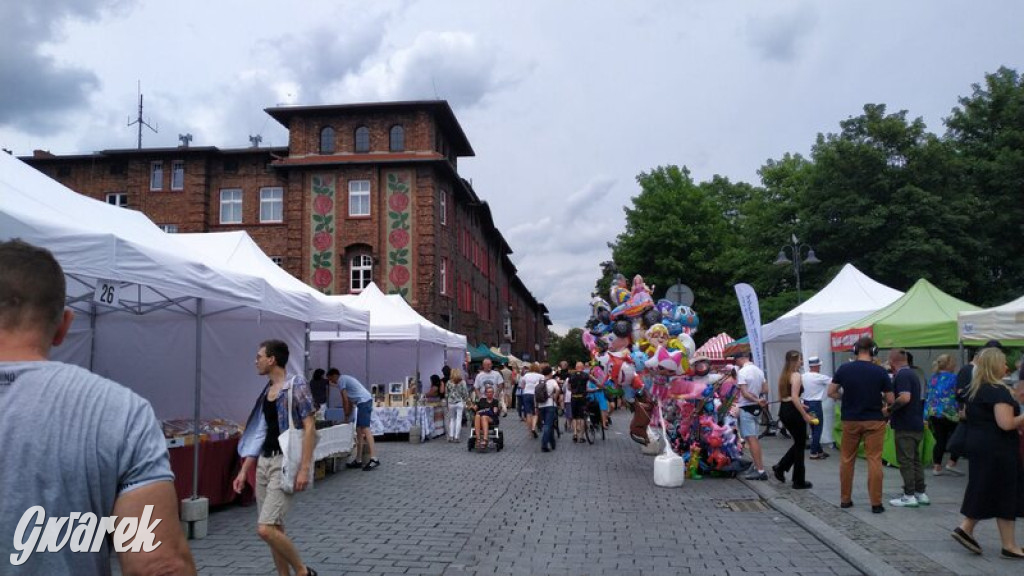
point(119, 199)
point(231, 166)
point(359, 198)
point(362, 139)
point(169, 228)
point(397, 139)
point(361, 272)
point(178, 175)
point(327, 140)
point(231, 206)
point(444, 276)
point(271, 204)
point(443, 207)
point(279, 260)
point(156, 175)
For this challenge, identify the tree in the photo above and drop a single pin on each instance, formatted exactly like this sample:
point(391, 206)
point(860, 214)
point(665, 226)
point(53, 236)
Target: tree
point(569, 347)
point(674, 230)
point(986, 133)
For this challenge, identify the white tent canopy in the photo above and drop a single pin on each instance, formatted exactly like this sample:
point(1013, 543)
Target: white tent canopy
point(1004, 323)
point(169, 306)
point(400, 343)
point(849, 296)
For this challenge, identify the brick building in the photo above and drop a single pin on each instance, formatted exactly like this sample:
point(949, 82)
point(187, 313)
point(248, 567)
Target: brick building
point(363, 192)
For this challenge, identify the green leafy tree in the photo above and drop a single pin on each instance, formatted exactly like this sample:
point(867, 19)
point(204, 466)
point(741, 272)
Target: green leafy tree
point(569, 347)
point(986, 133)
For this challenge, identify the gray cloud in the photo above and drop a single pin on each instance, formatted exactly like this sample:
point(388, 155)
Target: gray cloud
point(778, 36)
point(589, 197)
point(37, 89)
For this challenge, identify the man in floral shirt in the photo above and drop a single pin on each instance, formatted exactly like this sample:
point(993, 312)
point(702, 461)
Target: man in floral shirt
point(260, 446)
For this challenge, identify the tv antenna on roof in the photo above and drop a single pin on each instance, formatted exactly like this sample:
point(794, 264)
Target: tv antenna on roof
point(139, 120)
point(255, 140)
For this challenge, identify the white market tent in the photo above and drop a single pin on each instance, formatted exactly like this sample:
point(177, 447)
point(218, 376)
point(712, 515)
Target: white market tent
point(455, 344)
point(849, 296)
point(174, 324)
point(1004, 323)
point(400, 343)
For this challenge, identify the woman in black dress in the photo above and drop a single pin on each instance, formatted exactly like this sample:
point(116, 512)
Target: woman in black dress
point(995, 487)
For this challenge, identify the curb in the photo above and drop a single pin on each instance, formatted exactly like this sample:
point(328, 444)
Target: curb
point(846, 548)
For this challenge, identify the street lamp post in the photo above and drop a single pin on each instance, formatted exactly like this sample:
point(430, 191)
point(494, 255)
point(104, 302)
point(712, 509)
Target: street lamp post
point(795, 249)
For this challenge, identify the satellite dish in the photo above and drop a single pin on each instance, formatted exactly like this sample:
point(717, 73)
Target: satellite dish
point(680, 294)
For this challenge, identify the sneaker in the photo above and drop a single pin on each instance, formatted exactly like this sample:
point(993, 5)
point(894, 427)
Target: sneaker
point(939, 472)
point(922, 498)
point(755, 475)
point(354, 464)
point(373, 463)
point(904, 501)
point(953, 471)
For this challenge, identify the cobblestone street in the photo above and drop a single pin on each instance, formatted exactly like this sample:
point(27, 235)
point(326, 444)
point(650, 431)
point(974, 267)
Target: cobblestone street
point(438, 509)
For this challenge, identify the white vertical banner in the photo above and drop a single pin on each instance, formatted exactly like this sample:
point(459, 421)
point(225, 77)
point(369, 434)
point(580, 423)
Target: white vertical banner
point(752, 319)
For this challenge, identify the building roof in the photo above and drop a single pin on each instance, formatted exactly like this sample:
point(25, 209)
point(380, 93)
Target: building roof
point(439, 108)
point(42, 156)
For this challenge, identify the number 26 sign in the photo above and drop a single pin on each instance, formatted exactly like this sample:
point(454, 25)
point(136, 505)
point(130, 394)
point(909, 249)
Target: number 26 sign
point(108, 293)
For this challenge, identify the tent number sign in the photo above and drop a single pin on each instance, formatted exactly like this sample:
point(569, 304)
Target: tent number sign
point(108, 293)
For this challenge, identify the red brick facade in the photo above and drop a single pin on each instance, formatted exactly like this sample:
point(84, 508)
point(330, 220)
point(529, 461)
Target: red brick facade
point(312, 215)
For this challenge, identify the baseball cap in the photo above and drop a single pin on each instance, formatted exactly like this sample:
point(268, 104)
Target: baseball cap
point(814, 361)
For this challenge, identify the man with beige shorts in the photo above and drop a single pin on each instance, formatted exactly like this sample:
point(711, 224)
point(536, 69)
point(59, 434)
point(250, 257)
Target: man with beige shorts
point(260, 446)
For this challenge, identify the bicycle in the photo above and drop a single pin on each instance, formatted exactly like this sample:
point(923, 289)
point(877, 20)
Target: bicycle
point(594, 422)
point(772, 426)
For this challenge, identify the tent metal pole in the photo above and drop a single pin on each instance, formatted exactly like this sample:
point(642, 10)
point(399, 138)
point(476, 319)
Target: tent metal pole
point(92, 335)
point(367, 360)
point(198, 393)
point(305, 361)
point(416, 382)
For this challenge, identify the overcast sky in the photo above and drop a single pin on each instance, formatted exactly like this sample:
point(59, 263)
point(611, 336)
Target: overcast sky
point(564, 102)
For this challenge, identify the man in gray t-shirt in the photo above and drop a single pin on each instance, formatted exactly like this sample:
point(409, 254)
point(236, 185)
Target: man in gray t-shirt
point(488, 378)
point(74, 444)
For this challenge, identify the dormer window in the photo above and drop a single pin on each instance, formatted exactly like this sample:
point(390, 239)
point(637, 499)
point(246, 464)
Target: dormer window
point(327, 140)
point(397, 138)
point(362, 139)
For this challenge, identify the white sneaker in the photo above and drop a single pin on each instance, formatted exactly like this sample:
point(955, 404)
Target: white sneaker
point(904, 501)
point(953, 471)
point(922, 498)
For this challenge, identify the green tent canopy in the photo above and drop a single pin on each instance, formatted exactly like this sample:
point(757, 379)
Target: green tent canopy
point(924, 317)
point(481, 352)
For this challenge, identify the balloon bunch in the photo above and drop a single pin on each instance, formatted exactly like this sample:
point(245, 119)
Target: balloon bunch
point(645, 348)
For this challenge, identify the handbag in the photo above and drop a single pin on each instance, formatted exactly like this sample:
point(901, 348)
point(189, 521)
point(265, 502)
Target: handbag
point(291, 448)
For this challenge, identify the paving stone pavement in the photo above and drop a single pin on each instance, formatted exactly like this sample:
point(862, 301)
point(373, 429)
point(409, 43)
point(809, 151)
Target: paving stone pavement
point(436, 508)
point(913, 541)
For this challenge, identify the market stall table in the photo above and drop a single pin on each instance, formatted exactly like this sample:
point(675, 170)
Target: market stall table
point(218, 464)
point(400, 420)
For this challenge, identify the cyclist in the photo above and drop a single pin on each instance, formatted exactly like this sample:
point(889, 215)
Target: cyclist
point(595, 393)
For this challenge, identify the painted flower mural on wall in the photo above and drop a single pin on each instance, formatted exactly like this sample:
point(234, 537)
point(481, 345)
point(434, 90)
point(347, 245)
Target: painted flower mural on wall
point(400, 233)
point(322, 224)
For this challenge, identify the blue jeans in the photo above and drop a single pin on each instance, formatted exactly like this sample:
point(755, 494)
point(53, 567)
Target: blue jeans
point(814, 407)
point(548, 415)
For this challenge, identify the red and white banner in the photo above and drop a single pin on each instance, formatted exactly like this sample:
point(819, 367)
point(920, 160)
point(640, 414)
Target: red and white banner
point(843, 341)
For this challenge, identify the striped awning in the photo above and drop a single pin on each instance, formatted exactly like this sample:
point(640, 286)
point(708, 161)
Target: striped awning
point(715, 347)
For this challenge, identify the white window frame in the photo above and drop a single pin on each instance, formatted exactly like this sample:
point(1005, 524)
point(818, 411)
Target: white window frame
point(169, 228)
point(120, 199)
point(156, 175)
point(444, 276)
point(232, 203)
point(269, 196)
point(356, 192)
point(178, 175)
point(365, 265)
point(443, 202)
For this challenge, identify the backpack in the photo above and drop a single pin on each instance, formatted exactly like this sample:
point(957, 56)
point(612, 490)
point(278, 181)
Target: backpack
point(540, 393)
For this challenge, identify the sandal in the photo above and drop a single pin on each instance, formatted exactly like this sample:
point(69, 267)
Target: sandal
point(373, 463)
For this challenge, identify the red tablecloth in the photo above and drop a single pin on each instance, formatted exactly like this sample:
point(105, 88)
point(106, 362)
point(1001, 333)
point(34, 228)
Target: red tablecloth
point(218, 464)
